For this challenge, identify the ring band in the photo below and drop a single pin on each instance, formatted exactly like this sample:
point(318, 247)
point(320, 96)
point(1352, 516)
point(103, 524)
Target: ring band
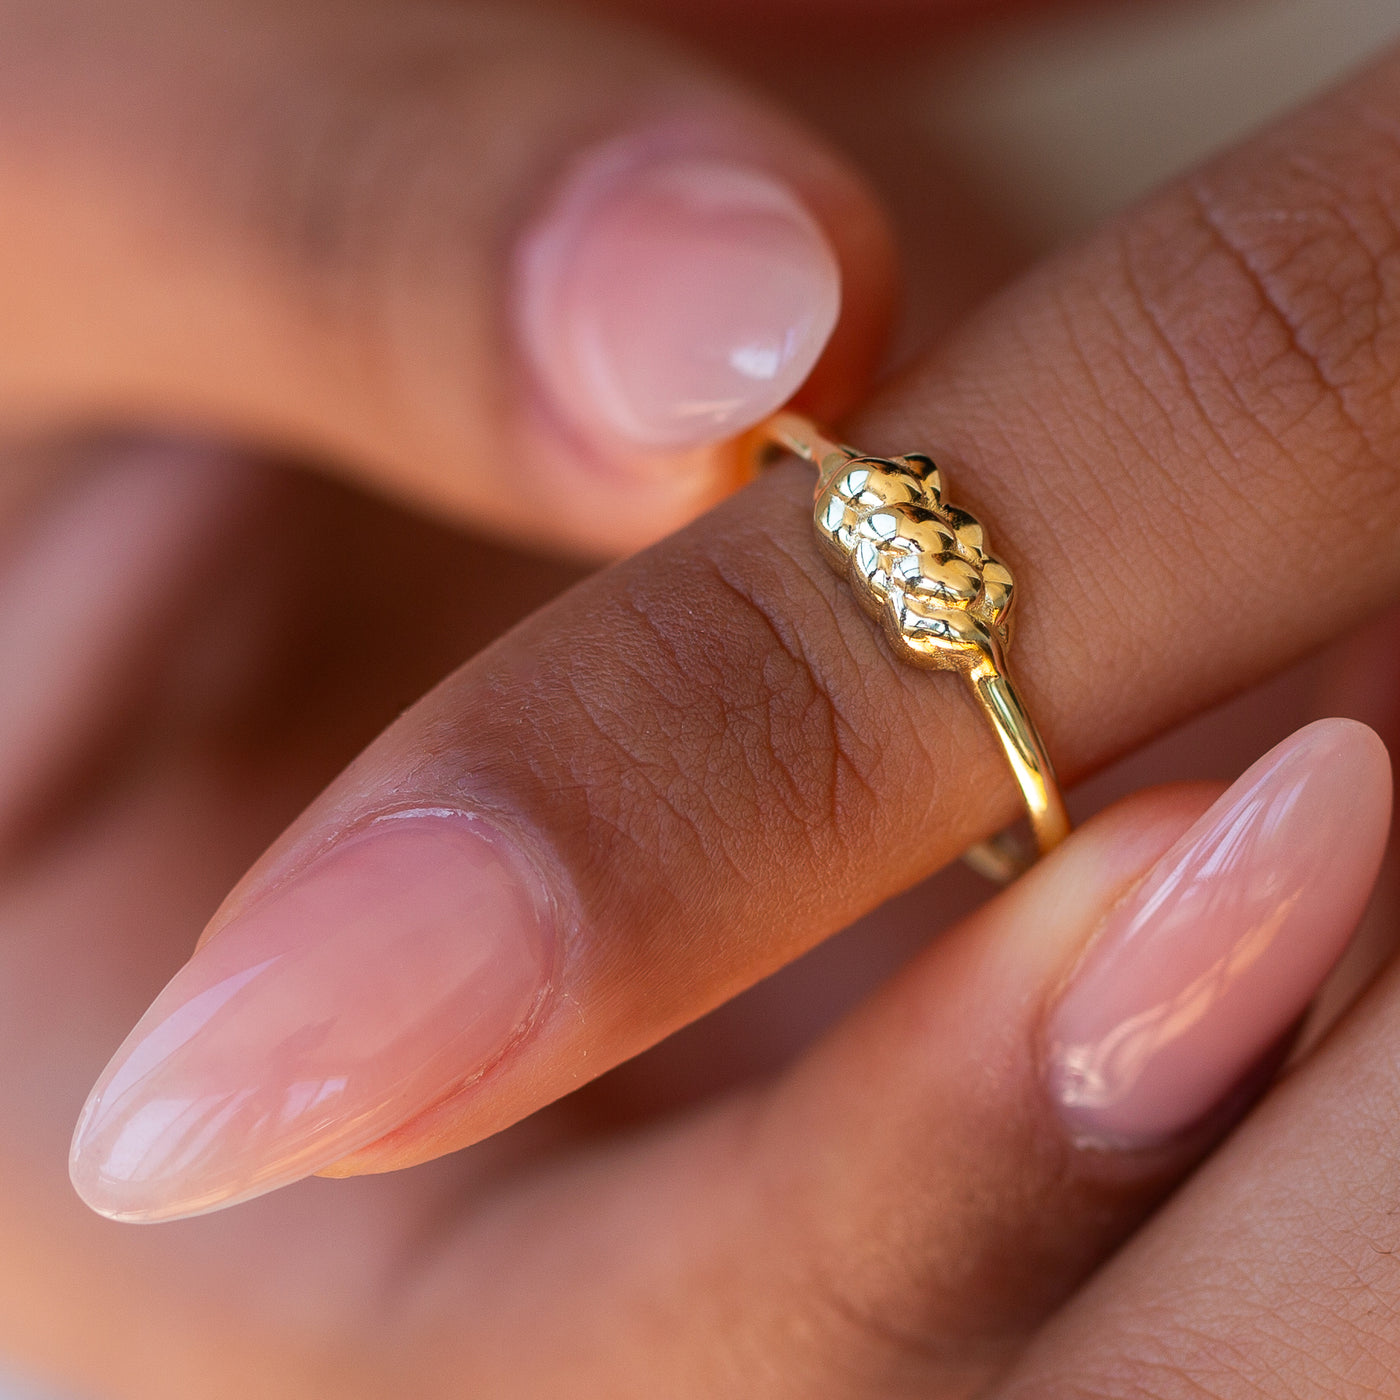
point(920, 565)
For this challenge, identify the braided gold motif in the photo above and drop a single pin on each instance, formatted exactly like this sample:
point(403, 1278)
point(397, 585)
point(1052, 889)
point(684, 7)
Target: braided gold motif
point(920, 566)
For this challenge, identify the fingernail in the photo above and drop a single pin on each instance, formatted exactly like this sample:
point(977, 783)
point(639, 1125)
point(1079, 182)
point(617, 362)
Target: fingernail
point(1217, 953)
point(668, 304)
point(383, 976)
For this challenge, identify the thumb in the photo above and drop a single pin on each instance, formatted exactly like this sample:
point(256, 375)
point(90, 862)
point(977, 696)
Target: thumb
point(428, 240)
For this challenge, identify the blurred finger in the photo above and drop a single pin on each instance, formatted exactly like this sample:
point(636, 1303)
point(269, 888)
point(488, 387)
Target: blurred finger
point(95, 574)
point(479, 254)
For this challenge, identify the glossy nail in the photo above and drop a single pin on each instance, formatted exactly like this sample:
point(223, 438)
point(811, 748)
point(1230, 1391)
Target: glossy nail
point(1217, 953)
point(372, 983)
point(665, 304)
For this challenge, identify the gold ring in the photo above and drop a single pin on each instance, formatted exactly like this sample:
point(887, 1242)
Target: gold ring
point(921, 566)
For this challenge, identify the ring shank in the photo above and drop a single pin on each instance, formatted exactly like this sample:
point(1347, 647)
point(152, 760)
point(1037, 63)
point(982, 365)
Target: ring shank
point(991, 683)
point(1025, 751)
point(793, 433)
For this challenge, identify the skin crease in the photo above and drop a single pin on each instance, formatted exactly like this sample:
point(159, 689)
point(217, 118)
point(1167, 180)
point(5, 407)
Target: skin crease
point(323, 614)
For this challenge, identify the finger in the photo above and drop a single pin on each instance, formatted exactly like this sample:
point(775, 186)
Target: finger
point(451, 245)
point(1054, 1068)
point(1361, 679)
point(701, 762)
point(1271, 1274)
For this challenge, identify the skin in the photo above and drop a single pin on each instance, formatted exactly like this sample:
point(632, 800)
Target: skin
point(599, 1247)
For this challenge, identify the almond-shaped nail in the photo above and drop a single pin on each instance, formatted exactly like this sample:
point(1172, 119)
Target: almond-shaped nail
point(1206, 965)
point(378, 979)
point(669, 303)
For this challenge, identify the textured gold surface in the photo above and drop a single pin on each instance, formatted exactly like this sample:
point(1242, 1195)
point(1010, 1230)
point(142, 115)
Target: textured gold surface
point(921, 566)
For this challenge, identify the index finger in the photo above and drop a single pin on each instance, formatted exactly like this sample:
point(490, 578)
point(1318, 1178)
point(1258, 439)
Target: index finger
point(693, 767)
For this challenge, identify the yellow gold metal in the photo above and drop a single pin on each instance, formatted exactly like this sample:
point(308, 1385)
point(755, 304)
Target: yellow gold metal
point(920, 565)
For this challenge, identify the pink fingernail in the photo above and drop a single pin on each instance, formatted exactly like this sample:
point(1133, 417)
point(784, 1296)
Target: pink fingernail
point(1218, 952)
point(384, 975)
point(668, 304)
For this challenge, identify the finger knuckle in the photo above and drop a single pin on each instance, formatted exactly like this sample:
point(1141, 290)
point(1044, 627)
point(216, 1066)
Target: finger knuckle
point(1271, 294)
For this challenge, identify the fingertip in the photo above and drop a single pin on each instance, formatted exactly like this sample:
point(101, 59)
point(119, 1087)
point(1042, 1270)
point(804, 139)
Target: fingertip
point(379, 979)
point(676, 288)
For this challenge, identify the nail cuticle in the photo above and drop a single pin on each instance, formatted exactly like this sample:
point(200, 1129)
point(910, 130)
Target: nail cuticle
point(279, 868)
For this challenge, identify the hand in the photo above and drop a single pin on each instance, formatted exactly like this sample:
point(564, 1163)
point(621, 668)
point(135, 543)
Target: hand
point(626, 854)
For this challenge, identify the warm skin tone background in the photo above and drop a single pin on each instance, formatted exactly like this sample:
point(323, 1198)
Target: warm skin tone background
point(283, 621)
